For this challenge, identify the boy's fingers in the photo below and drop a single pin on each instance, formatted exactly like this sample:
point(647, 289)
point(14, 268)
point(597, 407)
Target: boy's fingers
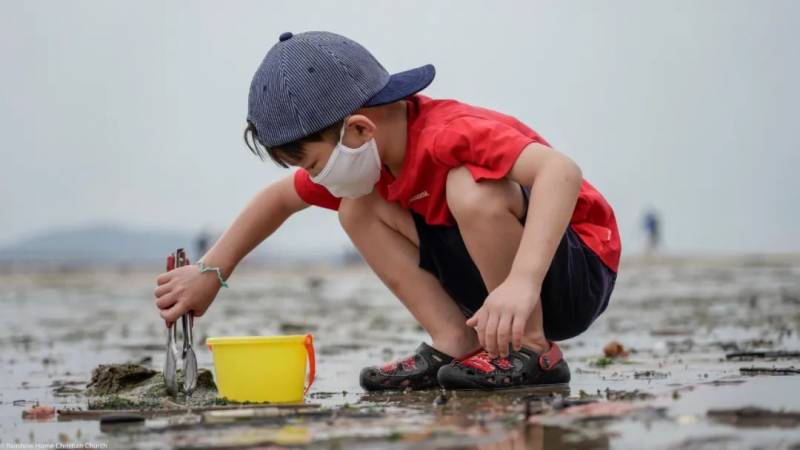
point(490, 334)
point(504, 334)
point(475, 319)
point(162, 289)
point(480, 324)
point(163, 278)
point(166, 301)
point(517, 330)
point(172, 314)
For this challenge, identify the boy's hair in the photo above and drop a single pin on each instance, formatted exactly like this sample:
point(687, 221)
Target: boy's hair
point(291, 152)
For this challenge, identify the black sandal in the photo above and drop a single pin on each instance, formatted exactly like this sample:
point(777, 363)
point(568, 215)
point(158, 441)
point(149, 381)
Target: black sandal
point(523, 368)
point(417, 371)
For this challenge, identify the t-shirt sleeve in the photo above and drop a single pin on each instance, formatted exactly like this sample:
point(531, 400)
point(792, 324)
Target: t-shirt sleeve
point(488, 148)
point(313, 193)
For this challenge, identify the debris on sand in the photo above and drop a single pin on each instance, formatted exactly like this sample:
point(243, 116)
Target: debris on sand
point(667, 332)
point(39, 412)
point(214, 412)
point(64, 388)
point(440, 399)
point(755, 417)
point(559, 403)
point(25, 403)
point(121, 419)
point(131, 386)
point(601, 362)
point(615, 349)
point(762, 355)
point(769, 371)
point(724, 382)
point(649, 375)
point(297, 327)
point(537, 405)
point(624, 395)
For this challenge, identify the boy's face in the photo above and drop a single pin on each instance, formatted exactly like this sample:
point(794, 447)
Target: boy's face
point(315, 156)
point(358, 130)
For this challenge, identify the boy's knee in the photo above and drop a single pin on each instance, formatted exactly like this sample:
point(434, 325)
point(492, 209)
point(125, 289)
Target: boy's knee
point(467, 198)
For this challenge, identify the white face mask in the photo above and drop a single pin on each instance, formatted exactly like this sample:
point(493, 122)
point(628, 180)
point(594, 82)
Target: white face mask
point(351, 172)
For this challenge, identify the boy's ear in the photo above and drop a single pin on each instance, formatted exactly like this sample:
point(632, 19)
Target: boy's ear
point(359, 127)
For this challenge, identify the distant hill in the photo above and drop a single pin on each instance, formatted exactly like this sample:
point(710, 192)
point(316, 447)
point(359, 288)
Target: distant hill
point(96, 244)
point(113, 244)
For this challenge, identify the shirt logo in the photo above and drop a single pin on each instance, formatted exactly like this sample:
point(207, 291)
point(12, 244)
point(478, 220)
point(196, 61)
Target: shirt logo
point(419, 196)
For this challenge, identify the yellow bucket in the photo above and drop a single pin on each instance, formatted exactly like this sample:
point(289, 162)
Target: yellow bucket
point(263, 368)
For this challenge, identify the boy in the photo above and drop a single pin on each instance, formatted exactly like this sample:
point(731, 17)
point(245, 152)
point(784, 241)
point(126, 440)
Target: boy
point(488, 236)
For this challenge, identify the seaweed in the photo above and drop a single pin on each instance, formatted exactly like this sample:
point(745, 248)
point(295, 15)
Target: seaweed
point(131, 386)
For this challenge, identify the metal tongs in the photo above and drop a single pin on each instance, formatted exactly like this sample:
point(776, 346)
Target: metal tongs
point(175, 260)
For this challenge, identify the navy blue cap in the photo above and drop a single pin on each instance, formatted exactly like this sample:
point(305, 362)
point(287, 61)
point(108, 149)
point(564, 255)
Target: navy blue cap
point(310, 80)
point(403, 84)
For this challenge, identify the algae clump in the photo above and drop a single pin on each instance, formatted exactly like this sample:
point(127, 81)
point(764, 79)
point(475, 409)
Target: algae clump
point(132, 386)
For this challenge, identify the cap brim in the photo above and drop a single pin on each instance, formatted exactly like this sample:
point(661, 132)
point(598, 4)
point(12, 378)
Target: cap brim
point(403, 84)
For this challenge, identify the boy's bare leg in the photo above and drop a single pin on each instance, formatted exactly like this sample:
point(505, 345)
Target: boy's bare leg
point(386, 237)
point(488, 216)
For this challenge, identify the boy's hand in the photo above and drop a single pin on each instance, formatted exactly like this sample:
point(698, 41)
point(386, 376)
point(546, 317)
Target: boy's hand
point(185, 289)
point(503, 316)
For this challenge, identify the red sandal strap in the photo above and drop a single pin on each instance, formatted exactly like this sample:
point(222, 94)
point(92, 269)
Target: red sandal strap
point(549, 359)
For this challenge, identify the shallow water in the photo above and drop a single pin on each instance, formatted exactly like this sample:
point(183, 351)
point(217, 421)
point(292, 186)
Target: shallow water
point(679, 318)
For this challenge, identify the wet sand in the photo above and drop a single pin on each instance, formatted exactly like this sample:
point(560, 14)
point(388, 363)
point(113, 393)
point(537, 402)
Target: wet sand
point(682, 386)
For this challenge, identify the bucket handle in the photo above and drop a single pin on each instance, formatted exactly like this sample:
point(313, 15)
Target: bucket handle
point(309, 343)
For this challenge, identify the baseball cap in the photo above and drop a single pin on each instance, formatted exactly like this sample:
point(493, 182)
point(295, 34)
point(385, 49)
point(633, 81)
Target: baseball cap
point(308, 81)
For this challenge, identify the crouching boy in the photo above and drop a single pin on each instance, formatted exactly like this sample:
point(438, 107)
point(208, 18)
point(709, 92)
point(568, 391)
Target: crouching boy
point(490, 237)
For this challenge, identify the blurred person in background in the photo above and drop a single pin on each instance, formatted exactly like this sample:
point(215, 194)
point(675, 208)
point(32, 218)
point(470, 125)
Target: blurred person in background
point(651, 224)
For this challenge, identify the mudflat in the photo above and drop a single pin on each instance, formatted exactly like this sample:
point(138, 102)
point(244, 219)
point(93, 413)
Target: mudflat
point(691, 353)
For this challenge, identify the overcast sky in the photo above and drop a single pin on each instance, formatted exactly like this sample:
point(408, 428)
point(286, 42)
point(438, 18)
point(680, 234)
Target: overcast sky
point(132, 112)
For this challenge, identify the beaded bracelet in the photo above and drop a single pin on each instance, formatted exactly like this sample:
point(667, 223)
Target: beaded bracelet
point(204, 269)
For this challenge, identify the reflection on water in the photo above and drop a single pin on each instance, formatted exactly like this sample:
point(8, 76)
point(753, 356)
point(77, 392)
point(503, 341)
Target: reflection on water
point(540, 437)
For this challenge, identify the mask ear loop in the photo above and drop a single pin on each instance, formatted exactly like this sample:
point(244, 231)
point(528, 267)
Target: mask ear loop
point(321, 176)
point(341, 130)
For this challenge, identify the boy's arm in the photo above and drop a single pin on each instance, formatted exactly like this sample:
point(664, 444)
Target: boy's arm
point(265, 212)
point(555, 181)
point(186, 289)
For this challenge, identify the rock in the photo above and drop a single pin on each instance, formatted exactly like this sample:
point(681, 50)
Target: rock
point(615, 349)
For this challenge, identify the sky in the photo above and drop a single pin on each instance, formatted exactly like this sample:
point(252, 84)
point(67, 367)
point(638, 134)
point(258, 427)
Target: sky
point(132, 112)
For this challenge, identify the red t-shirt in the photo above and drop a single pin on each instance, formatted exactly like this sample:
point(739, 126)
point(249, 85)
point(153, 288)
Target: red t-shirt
point(445, 134)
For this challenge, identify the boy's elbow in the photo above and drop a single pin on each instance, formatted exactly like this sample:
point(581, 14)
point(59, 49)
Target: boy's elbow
point(578, 174)
point(573, 174)
point(287, 199)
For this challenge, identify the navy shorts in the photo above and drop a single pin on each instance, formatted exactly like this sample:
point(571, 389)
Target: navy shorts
point(575, 290)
